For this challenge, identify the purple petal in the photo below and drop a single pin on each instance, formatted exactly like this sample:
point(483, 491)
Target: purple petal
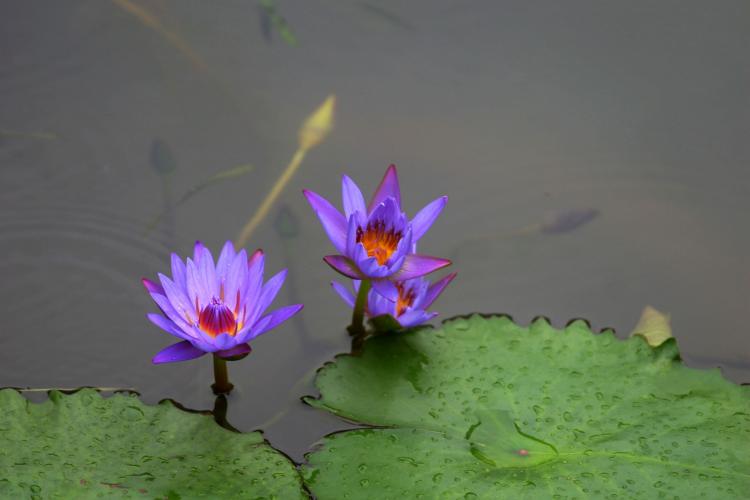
point(181, 351)
point(333, 222)
point(344, 293)
point(226, 258)
point(388, 212)
point(255, 257)
point(352, 197)
point(343, 265)
point(396, 261)
point(178, 271)
point(224, 341)
point(415, 317)
point(178, 317)
point(198, 250)
point(270, 290)
point(388, 188)
point(208, 274)
point(416, 265)
point(378, 305)
point(208, 341)
point(196, 289)
point(152, 287)
point(435, 290)
point(425, 217)
point(237, 350)
point(182, 304)
point(418, 288)
point(386, 288)
point(168, 326)
point(255, 270)
point(351, 236)
point(235, 280)
point(271, 321)
point(257, 304)
point(369, 267)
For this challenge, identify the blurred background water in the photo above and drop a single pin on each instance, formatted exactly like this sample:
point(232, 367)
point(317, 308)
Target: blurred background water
point(595, 154)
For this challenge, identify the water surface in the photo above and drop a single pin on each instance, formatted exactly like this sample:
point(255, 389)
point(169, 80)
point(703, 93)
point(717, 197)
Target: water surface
point(518, 111)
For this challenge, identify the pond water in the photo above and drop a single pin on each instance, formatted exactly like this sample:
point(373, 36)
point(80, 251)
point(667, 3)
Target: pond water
point(627, 122)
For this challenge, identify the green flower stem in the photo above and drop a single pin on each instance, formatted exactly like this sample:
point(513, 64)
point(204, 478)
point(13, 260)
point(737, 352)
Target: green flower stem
point(221, 384)
point(358, 316)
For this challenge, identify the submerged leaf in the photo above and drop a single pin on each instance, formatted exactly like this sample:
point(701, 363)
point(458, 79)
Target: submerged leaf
point(85, 446)
point(654, 326)
point(47, 136)
point(270, 16)
point(387, 15)
point(162, 158)
point(485, 408)
point(229, 173)
point(286, 223)
point(214, 179)
point(567, 220)
point(171, 37)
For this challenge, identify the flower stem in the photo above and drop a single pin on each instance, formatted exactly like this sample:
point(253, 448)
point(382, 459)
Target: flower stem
point(221, 384)
point(268, 202)
point(358, 316)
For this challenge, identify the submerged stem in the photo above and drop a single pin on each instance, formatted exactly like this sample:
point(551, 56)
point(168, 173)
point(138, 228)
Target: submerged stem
point(221, 384)
point(268, 202)
point(358, 316)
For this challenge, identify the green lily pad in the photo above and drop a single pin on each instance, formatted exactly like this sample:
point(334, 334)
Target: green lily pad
point(485, 408)
point(85, 446)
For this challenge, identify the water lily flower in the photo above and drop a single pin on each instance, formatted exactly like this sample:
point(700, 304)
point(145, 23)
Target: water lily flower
point(415, 296)
point(377, 241)
point(215, 308)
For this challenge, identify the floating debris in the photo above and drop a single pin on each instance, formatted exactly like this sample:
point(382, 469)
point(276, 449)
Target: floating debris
point(654, 326)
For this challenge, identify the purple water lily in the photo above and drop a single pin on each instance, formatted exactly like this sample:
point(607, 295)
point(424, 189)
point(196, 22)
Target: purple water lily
point(377, 241)
point(215, 308)
point(410, 309)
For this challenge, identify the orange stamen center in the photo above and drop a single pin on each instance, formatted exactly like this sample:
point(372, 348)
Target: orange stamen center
point(379, 242)
point(405, 299)
point(216, 318)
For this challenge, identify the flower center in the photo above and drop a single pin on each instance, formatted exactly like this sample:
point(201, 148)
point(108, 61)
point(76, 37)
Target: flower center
point(405, 299)
point(216, 318)
point(378, 241)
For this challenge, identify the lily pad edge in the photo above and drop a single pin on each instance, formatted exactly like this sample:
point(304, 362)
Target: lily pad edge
point(316, 401)
point(296, 466)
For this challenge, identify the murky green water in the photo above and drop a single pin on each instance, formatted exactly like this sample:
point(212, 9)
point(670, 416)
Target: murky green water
point(516, 110)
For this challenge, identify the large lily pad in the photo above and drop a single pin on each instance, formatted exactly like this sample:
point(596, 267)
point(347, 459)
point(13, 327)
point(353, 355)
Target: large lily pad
point(485, 408)
point(85, 446)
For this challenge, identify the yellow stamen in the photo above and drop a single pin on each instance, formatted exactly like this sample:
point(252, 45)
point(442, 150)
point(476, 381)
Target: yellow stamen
point(379, 242)
point(405, 299)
